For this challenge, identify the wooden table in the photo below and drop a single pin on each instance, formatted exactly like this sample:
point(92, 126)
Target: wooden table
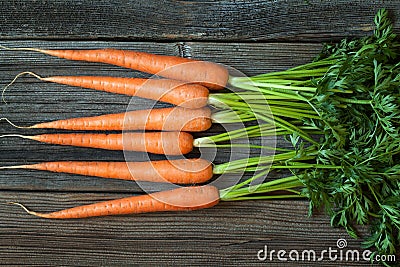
point(251, 36)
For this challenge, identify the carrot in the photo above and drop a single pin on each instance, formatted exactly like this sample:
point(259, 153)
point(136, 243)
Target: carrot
point(166, 119)
point(188, 95)
point(180, 171)
point(169, 143)
point(211, 75)
point(180, 199)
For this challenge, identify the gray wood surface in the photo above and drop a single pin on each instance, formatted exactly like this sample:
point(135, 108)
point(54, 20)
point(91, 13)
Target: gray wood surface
point(233, 20)
point(229, 234)
point(240, 34)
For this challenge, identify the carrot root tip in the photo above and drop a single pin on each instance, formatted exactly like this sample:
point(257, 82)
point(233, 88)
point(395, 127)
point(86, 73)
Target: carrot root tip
point(14, 125)
point(17, 135)
point(13, 167)
point(15, 78)
point(24, 208)
point(21, 49)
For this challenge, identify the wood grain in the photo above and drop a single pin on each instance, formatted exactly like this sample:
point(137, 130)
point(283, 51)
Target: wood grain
point(228, 234)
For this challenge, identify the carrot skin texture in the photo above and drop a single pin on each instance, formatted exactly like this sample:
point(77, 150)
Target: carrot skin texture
point(168, 143)
point(181, 171)
point(211, 75)
point(175, 92)
point(166, 119)
point(180, 199)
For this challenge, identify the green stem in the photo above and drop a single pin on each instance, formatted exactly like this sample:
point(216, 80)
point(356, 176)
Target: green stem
point(305, 166)
point(278, 122)
point(242, 145)
point(323, 62)
point(282, 184)
point(229, 116)
point(280, 103)
point(264, 197)
point(241, 164)
point(295, 113)
point(353, 101)
point(270, 92)
point(249, 131)
point(243, 96)
point(290, 127)
point(240, 185)
point(285, 87)
point(296, 73)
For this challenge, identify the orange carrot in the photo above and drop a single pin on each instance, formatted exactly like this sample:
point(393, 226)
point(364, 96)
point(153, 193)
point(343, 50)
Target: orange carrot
point(169, 143)
point(180, 171)
point(188, 95)
point(210, 74)
point(180, 199)
point(166, 119)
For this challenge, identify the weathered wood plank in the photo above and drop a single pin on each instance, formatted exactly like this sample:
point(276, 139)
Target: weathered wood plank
point(227, 20)
point(225, 235)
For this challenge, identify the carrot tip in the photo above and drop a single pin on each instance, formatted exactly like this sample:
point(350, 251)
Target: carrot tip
point(21, 49)
point(14, 125)
point(19, 135)
point(13, 167)
point(25, 208)
point(15, 78)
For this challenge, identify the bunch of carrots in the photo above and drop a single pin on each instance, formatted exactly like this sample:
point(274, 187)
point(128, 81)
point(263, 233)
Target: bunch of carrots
point(341, 113)
point(186, 84)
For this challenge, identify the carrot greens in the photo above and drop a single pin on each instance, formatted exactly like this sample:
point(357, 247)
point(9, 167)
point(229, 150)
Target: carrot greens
point(342, 115)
